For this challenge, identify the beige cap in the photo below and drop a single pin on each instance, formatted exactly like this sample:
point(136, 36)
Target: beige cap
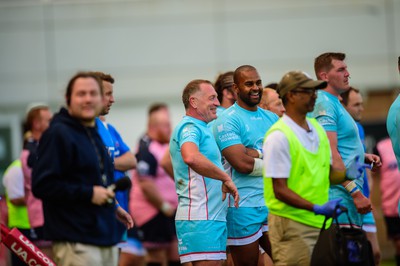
point(298, 79)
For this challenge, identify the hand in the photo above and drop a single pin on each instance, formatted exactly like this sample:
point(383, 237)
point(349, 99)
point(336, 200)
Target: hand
point(124, 217)
point(355, 169)
point(254, 152)
point(362, 203)
point(229, 187)
point(373, 160)
point(328, 208)
point(101, 195)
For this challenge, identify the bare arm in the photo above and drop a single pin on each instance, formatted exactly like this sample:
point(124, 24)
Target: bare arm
point(199, 163)
point(337, 162)
point(152, 194)
point(18, 201)
point(125, 162)
point(238, 157)
point(166, 164)
point(285, 194)
point(362, 203)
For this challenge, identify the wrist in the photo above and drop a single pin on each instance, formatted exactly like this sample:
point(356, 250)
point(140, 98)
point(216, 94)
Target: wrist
point(352, 188)
point(257, 167)
point(260, 153)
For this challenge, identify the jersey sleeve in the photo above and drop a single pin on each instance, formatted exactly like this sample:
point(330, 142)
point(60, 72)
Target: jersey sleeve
point(326, 116)
point(118, 141)
point(226, 132)
point(146, 162)
point(189, 133)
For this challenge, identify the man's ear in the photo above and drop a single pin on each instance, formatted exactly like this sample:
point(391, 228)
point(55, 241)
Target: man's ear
point(193, 102)
point(235, 88)
point(323, 76)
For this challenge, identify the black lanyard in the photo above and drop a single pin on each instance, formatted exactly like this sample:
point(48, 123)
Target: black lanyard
point(100, 157)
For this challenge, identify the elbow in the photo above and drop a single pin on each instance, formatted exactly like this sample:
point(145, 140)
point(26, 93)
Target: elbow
point(189, 160)
point(244, 168)
point(132, 163)
point(278, 195)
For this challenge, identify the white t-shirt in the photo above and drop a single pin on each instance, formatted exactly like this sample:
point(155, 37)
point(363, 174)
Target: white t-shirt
point(277, 162)
point(13, 181)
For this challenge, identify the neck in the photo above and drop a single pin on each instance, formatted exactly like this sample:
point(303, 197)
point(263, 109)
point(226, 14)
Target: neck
point(298, 118)
point(87, 123)
point(152, 135)
point(36, 135)
point(194, 114)
point(333, 91)
point(247, 107)
point(226, 103)
point(102, 118)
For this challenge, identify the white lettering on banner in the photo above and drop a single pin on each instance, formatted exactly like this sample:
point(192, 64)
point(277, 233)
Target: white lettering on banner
point(19, 252)
point(27, 242)
point(25, 256)
point(32, 262)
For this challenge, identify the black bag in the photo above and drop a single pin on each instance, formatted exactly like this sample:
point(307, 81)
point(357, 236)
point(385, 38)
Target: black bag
point(342, 246)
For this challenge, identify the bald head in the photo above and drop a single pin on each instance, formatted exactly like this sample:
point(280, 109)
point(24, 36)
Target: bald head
point(159, 123)
point(270, 101)
point(240, 70)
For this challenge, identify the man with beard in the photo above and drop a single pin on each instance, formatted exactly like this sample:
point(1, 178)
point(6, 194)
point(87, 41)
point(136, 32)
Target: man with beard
point(239, 132)
point(124, 160)
point(153, 195)
point(343, 135)
point(297, 171)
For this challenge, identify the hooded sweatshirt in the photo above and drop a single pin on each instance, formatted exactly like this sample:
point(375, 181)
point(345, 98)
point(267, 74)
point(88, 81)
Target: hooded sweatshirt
point(71, 160)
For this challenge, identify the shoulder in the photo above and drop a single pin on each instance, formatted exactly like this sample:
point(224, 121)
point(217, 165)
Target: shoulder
point(268, 114)
point(188, 127)
point(112, 129)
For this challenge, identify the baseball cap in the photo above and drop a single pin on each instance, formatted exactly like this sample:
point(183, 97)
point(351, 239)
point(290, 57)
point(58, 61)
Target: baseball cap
point(298, 79)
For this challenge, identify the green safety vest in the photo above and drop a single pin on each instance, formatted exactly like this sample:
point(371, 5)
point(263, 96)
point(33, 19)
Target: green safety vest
point(17, 215)
point(309, 176)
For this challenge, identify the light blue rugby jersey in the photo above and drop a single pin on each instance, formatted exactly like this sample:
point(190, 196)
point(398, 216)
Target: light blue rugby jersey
point(200, 198)
point(220, 110)
point(393, 127)
point(240, 126)
point(332, 116)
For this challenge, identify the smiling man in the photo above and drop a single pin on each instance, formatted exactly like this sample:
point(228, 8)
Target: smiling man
point(71, 177)
point(239, 132)
point(201, 215)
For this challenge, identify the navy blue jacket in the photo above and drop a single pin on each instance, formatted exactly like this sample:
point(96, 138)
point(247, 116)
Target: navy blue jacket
point(66, 170)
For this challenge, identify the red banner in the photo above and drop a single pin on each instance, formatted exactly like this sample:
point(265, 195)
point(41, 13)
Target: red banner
point(23, 248)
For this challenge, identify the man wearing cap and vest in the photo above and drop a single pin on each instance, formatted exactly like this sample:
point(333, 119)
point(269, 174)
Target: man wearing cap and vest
point(298, 173)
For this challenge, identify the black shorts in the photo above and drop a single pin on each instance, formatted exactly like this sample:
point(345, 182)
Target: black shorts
point(159, 230)
point(393, 227)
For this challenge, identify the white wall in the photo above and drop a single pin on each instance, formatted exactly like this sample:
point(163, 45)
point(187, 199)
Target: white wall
point(154, 47)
